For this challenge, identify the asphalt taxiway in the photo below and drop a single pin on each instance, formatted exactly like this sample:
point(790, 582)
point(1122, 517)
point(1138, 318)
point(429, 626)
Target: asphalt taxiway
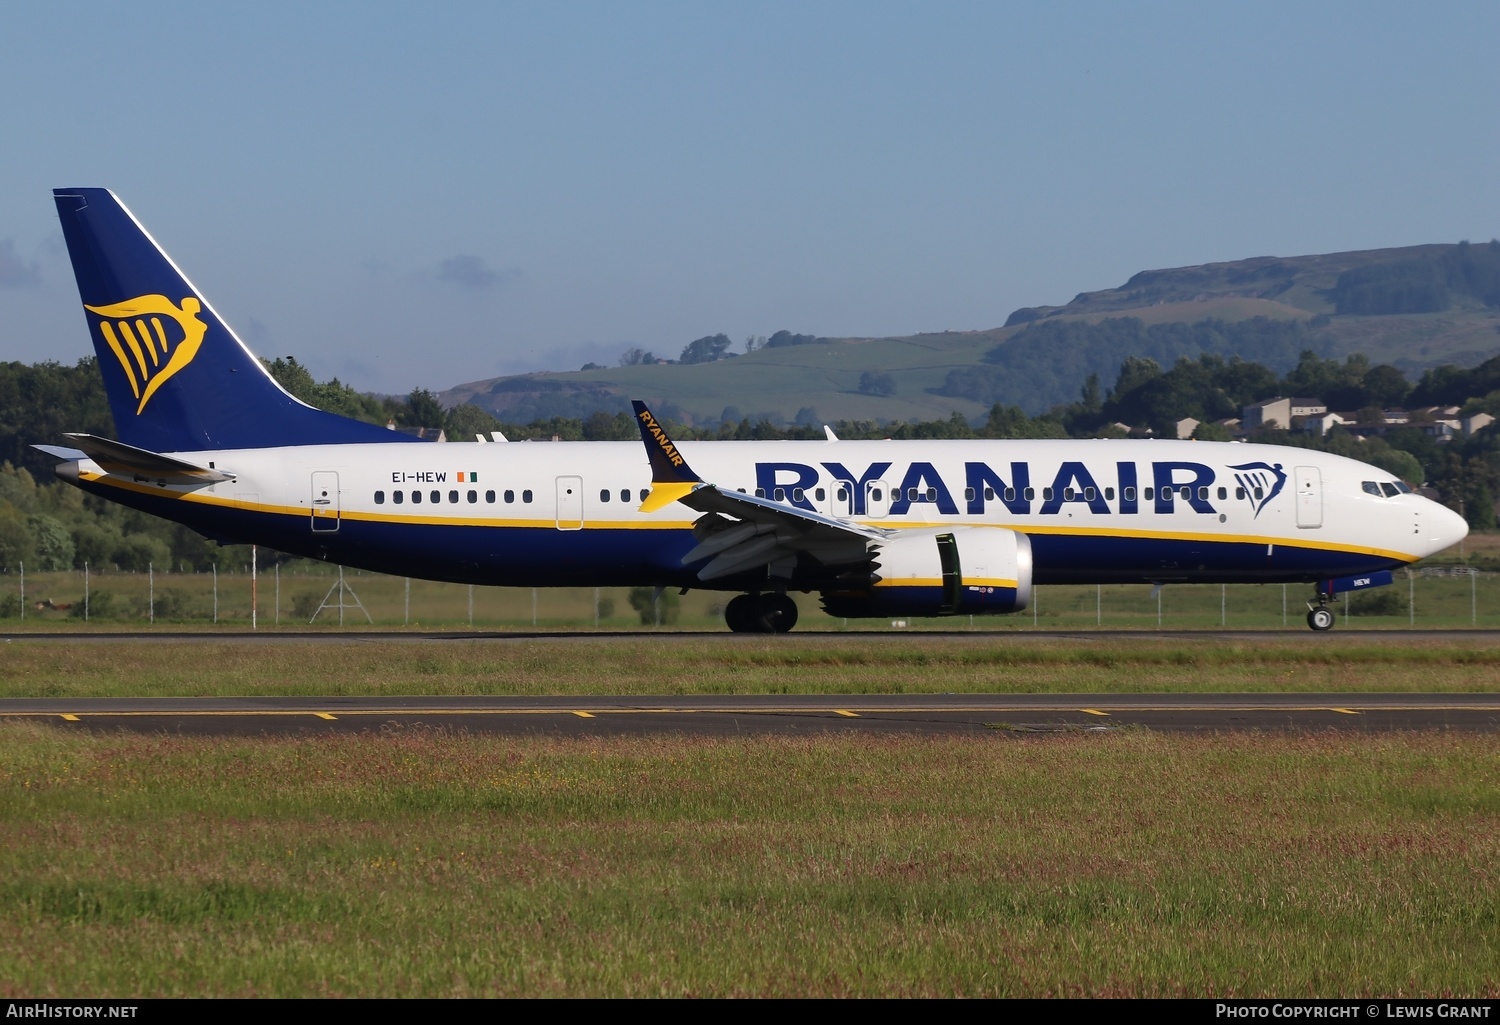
point(945, 714)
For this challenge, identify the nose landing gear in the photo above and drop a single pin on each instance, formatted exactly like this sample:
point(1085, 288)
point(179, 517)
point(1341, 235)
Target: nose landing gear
point(1319, 616)
point(761, 614)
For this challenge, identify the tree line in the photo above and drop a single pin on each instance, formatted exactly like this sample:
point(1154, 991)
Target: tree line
point(48, 525)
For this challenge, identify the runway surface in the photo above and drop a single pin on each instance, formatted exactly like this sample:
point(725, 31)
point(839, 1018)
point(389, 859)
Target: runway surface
point(947, 714)
point(1476, 637)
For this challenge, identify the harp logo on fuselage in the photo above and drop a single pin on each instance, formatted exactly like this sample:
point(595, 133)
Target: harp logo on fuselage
point(152, 337)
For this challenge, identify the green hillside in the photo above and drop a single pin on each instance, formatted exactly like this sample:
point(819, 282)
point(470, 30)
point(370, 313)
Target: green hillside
point(1415, 308)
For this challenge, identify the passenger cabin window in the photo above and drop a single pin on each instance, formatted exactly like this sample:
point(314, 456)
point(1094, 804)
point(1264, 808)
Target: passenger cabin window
point(1088, 494)
point(473, 497)
point(1010, 494)
point(1069, 494)
point(1029, 494)
point(604, 495)
point(1185, 491)
point(842, 494)
point(875, 494)
point(1046, 494)
point(1109, 494)
point(398, 497)
point(820, 494)
point(526, 496)
point(1223, 493)
point(969, 494)
point(1148, 493)
point(436, 496)
point(380, 498)
point(798, 494)
point(779, 494)
point(489, 496)
point(453, 497)
point(1202, 495)
point(1260, 493)
point(625, 494)
point(1239, 494)
point(1129, 494)
point(644, 493)
point(416, 498)
point(760, 492)
point(510, 496)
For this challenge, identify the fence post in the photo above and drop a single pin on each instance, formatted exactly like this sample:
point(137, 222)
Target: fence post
point(596, 608)
point(216, 592)
point(1411, 598)
point(1473, 597)
point(406, 607)
point(471, 606)
point(1098, 606)
point(23, 592)
point(253, 582)
point(151, 593)
point(1223, 604)
point(1283, 605)
point(533, 606)
point(278, 594)
point(85, 592)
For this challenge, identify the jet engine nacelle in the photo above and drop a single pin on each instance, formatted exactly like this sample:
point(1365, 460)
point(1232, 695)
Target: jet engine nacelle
point(961, 572)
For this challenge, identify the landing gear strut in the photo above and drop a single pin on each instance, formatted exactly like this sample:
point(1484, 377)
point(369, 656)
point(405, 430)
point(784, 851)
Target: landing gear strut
point(761, 614)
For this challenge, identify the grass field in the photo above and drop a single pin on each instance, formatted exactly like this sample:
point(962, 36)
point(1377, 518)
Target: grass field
point(422, 863)
point(709, 665)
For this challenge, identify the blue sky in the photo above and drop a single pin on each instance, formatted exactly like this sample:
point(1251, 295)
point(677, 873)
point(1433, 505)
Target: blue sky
point(425, 194)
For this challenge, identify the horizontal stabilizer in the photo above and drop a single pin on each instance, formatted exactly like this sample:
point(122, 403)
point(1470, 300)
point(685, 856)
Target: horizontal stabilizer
point(61, 452)
point(120, 459)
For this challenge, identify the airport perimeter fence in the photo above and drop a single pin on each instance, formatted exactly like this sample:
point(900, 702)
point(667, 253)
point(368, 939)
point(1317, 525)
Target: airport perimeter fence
point(313, 596)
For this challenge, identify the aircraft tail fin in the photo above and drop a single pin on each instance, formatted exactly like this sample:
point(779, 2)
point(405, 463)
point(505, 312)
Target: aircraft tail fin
point(178, 379)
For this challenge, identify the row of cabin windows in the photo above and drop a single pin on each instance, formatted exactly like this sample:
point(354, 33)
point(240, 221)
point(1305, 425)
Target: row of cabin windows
point(912, 494)
point(399, 497)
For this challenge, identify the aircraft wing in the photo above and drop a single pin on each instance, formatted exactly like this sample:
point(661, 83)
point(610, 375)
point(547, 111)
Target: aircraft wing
point(116, 457)
point(740, 533)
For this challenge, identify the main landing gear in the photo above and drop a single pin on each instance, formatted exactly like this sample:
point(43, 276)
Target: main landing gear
point(761, 614)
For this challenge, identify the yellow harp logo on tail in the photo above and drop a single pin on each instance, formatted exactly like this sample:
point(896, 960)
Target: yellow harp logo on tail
point(149, 350)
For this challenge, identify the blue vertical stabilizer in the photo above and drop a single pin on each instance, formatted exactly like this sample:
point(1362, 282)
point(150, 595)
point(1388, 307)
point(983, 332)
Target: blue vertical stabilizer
point(178, 379)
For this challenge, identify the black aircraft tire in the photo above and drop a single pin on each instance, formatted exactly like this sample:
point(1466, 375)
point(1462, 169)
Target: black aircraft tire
point(740, 614)
point(1320, 619)
point(778, 614)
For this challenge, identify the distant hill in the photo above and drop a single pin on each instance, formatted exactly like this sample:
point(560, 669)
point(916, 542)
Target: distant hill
point(1414, 307)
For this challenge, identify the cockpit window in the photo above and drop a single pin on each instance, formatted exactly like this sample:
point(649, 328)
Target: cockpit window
point(1391, 490)
point(1370, 487)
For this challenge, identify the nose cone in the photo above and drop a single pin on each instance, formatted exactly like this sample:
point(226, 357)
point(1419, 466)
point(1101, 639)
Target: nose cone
point(1439, 528)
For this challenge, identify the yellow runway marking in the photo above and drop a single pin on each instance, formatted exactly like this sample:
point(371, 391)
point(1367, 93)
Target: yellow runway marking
point(324, 715)
point(1345, 711)
point(583, 715)
point(846, 712)
point(70, 717)
point(1093, 711)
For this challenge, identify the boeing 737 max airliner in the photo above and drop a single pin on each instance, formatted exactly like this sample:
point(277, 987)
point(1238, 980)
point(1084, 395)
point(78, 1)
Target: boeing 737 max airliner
point(878, 529)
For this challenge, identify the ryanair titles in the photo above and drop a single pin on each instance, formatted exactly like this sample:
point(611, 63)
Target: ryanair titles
point(1122, 487)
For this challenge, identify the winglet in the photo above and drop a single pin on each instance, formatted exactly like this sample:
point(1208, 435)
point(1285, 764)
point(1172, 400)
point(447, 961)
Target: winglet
point(671, 477)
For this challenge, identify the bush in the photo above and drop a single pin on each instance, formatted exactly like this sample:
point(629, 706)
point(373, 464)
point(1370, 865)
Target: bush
point(1383, 601)
point(101, 605)
point(667, 607)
